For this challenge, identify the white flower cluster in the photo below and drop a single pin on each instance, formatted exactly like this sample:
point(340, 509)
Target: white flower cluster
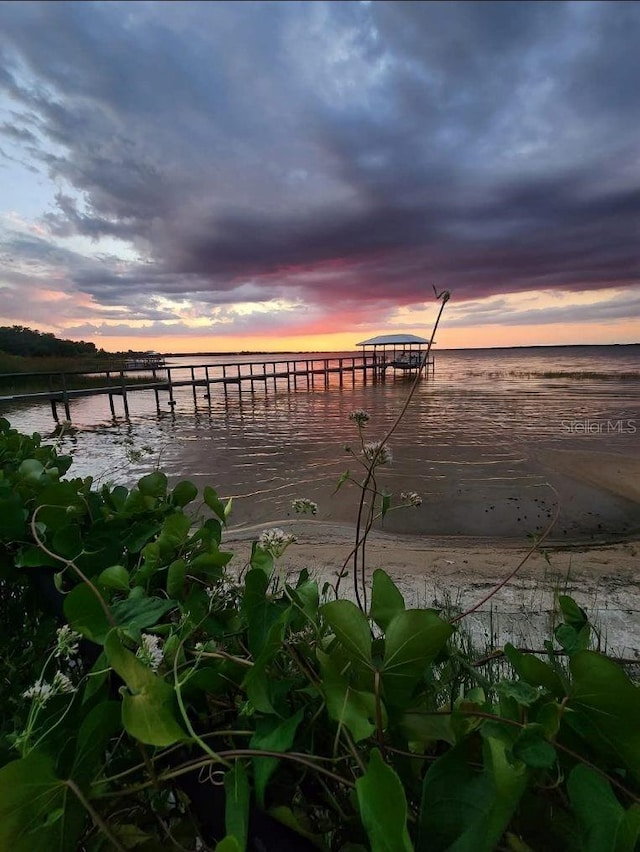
point(375, 450)
point(412, 498)
point(359, 416)
point(41, 691)
point(67, 642)
point(303, 506)
point(150, 651)
point(275, 541)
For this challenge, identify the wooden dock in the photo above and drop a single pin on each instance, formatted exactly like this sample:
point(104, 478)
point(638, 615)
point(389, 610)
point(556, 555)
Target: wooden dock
point(291, 373)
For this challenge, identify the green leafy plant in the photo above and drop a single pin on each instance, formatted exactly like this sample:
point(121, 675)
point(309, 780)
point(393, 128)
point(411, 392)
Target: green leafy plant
point(160, 696)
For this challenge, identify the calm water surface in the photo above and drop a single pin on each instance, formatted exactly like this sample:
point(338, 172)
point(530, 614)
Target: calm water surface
point(469, 443)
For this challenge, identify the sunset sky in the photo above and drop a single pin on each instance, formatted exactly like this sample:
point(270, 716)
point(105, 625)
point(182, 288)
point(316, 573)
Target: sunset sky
point(216, 176)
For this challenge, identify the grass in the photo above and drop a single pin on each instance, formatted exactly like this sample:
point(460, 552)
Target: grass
point(577, 375)
point(31, 375)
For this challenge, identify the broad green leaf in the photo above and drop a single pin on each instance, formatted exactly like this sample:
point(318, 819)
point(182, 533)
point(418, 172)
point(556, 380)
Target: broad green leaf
point(67, 541)
point(534, 671)
point(427, 727)
point(148, 705)
point(184, 493)
point(352, 630)
point(301, 825)
point(115, 577)
point(572, 640)
point(38, 812)
point(237, 799)
point(31, 470)
point(573, 614)
point(134, 613)
point(520, 691)
point(12, 517)
point(257, 683)
point(413, 640)
point(607, 705)
point(383, 807)
point(99, 725)
point(464, 809)
point(386, 600)
point(271, 734)
point(209, 565)
point(261, 560)
point(176, 576)
point(352, 708)
point(31, 557)
point(140, 533)
point(216, 505)
point(533, 749)
point(260, 612)
point(174, 533)
point(153, 485)
point(229, 844)
point(85, 614)
point(605, 826)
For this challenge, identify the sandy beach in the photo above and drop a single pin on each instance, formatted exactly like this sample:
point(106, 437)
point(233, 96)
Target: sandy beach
point(603, 576)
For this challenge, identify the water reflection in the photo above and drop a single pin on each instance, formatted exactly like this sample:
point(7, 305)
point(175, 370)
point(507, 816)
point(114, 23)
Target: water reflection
point(469, 442)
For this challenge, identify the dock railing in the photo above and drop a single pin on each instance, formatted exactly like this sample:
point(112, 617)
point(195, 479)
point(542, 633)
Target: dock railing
point(59, 388)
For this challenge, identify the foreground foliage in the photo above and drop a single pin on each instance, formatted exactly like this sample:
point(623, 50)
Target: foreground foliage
point(197, 698)
point(155, 698)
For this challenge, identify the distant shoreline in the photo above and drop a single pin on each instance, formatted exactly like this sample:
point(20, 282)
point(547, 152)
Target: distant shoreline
point(244, 352)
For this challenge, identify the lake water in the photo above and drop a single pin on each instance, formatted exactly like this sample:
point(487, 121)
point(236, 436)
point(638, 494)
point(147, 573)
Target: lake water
point(470, 443)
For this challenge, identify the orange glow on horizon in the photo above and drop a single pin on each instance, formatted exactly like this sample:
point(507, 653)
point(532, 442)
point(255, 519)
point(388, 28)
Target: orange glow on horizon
point(625, 331)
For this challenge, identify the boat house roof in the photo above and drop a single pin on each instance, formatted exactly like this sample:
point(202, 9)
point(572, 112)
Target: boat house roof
point(392, 340)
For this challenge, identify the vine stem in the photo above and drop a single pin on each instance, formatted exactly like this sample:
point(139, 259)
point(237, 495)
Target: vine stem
point(444, 297)
point(95, 816)
point(295, 757)
point(69, 563)
point(513, 573)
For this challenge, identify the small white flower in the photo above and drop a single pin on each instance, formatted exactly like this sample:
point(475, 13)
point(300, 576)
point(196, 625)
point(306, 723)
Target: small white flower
point(62, 684)
point(150, 651)
point(411, 497)
point(374, 450)
point(67, 642)
point(275, 541)
point(303, 506)
point(40, 692)
point(359, 416)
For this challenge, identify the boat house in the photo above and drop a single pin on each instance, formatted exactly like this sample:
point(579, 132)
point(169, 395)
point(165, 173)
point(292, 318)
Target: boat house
point(404, 352)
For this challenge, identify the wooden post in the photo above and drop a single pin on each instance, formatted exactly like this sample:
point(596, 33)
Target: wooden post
point(340, 371)
point(308, 378)
point(295, 375)
point(54, 407)
point(326, 373)
point(171, 401)
point(65, 397)
point(111, 405)
point(124, 395)
point(155, 391)
point(193, 387)
point(275, 381)
point(288, 377)
point(207, 395)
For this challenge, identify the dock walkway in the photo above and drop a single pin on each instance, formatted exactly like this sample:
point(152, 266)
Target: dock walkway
point(244, 374)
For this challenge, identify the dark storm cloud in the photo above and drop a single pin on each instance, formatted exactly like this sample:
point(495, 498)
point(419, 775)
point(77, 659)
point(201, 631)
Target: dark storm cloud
point(337, 153)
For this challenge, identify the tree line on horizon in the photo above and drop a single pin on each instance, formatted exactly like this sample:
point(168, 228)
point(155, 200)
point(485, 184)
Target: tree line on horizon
point(28, 343)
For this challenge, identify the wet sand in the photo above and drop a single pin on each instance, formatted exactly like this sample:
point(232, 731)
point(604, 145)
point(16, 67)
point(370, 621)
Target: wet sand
point(458, 571)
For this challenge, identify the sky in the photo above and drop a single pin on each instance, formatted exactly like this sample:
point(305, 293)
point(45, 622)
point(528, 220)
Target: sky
point(226, 176)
